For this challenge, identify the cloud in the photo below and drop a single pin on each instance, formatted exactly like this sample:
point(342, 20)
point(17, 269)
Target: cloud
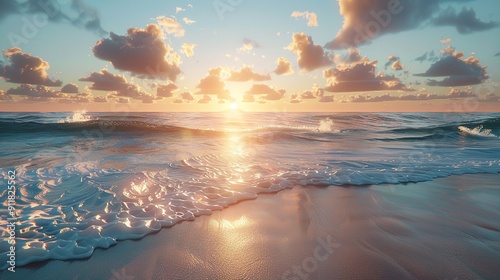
point(310, 56)
point(352, 55)
point(4, 96)
point(179, 9)
point(458, 70)
point(205, 99)
point(395, 63)
point(498, 54)
point(326, 99)
point(106, 81)
point(295, 99)
point(166, 90)
point(248, 98)
point(171, 26)
point(266, 92)
point(365, 21)
point(360, 76)
point(465, 21)
point(246, 74)
point(188, 49)
point(141, 51)
point(187, 96)
point(445, 41)
point(69, 88)
point(101, 99)
point(188, 21)
point(46, 94)
point(24, 68)
point(213, 84)
point(454, 94)
point(123, 100)
point(312, 18)
point(248, 45)
point(283, 67)
point(87, 16)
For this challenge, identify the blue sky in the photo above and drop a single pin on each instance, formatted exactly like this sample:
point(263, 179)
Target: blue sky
point(232, 35)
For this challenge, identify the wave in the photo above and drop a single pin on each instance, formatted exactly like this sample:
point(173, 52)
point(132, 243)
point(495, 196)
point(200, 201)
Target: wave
point(478, 131)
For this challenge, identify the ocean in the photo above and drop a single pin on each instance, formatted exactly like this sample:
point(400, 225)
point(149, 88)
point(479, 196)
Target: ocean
point(88, 180)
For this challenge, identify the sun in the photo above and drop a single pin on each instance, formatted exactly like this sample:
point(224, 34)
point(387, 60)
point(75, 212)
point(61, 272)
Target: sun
point(234, 106)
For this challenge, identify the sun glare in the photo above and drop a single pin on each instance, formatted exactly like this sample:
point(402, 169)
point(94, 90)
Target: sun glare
point(234, 106)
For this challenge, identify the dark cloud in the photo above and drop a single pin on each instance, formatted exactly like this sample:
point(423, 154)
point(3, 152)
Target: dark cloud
point(69, 88)
point(213, 84)
point(498, 54)
point(106, 81)
point(351, 55)
point(327, 99)
point(360, 76)
point(141, 52)
point(367, 20)
point(310, 56)
point(86, 16)
point(457, 70)
point(246, 74)
point(166, 90)
point(24, 68)
point(283, 67)
point(465, 21)
point(266, 92)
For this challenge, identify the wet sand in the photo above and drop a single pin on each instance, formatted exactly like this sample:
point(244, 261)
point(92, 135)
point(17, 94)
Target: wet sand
point(445, 229)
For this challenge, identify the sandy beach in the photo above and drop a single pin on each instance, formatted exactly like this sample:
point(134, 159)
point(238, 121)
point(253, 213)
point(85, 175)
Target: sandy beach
point(444, 229)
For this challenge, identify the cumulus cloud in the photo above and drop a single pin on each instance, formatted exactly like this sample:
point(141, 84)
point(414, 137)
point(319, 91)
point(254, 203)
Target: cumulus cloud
point(457, 70)
point(464, 21)
point(188, 49)
point(327, 99)
point(205, 99)
point(248, 45)
point(352, 55)
point(142, 52)
point(395, 63)
point(171, 26)
point(166, 90)
point(213, 84)
point(445, 41)
point(106, 81)
point(86, 16)
point(364, 21)
point(101, 99)
point(310, 56)
point(312, 18)
point(187, 96)
point(123, 100)
point(69, 88)
point(360, 76)
point(188, 21)
point(283, 67)
point(24, 68)
point(4, 96)
point(266, 92)
point(246, 74)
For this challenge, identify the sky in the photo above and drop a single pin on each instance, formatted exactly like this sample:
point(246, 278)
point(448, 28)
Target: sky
point(275, 56)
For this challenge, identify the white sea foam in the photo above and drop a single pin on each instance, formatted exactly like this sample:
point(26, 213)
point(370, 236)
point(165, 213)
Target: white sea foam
point(77, 117)
point(478, 131)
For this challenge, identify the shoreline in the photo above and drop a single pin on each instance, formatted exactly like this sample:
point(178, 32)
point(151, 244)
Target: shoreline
point(442, 229)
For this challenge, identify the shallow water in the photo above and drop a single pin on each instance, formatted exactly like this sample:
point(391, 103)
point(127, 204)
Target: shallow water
point(88, 180)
